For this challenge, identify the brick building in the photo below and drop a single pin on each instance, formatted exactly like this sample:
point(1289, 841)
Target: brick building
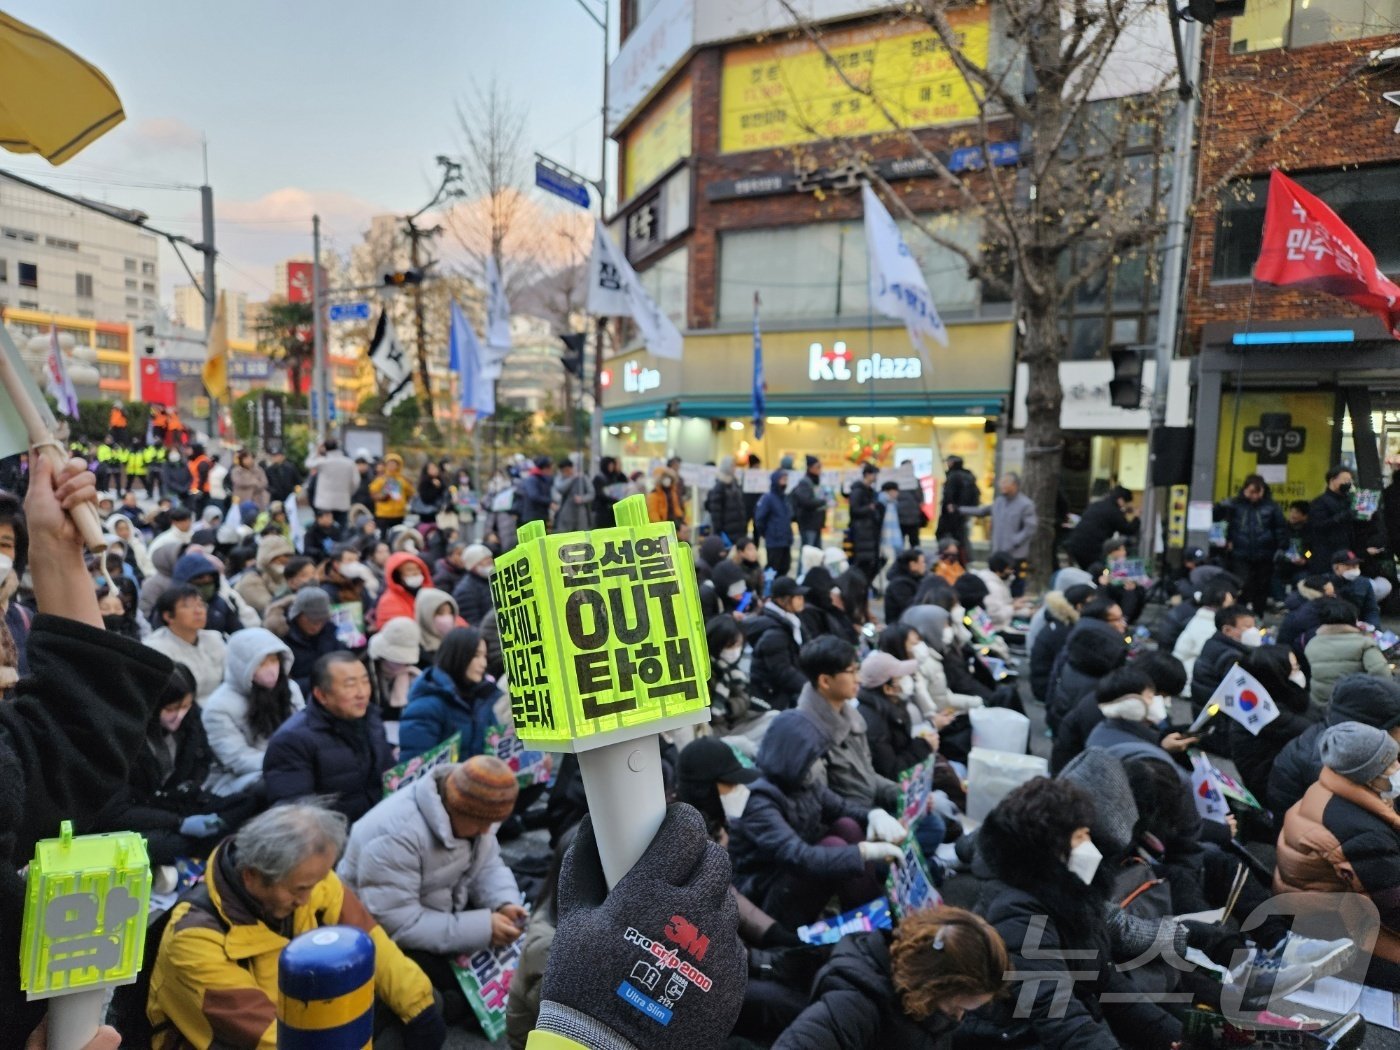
point(1287, 383)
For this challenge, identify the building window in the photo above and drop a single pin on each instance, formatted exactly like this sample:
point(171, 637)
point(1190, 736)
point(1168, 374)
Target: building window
point(1365, 199)
point(130, 265)
point(148, 269)
point(86, 314)
point(1269, 24)
point(84, 285)
point(61, 244)
point(131, 284)
point(4, 270)
point(109, 341)
point(132, 302)
point(28, 275)
point(20, 235)
point(147, 286)
point(666, 281)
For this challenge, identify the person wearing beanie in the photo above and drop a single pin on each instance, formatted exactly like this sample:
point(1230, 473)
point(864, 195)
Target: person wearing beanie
point(1356, 698)
point(426, 863)
point(1343, 836)
point(310, 634)
point(473, 591)
point(393, 655)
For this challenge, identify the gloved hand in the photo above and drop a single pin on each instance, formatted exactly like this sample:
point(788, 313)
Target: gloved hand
point(1219, 943)
point(201, 826)
point(427, 1031)
point(881, 827)
point(887, 852)
point(656, 961)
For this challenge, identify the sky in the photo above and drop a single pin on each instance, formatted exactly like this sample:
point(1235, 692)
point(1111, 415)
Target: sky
point(330, 106)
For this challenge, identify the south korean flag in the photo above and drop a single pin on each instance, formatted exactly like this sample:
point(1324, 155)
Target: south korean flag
point(391, 363)
point(1246, 701)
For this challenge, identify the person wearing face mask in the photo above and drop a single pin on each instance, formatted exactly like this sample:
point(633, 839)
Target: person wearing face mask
point(175, 476)
point(455, 695)
point(426, 863)
point(1236, 635)
point(404, 575)
point(772, 523)
point(820, 613)
point(394, 653)
point(1343, 837)
point(180, 616)
point(1340, 648)
point(1131, 713)
point(436, 614)
point(310, 634)
point(906, 990)
point(268, 579)
point(725, 590)
point(1276, 668)
point(473, 591)
point(1049, 899)
point(390, 493)
point(1331, 523)
point(1166, 678)
point(257, 696)
point(886, 687)
point(1348, 583)
point(732, 711)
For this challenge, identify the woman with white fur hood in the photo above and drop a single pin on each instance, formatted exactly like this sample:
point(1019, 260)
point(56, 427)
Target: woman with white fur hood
point(931, 692)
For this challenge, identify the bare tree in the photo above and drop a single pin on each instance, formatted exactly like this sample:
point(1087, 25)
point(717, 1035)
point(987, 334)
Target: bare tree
point(1076, 189)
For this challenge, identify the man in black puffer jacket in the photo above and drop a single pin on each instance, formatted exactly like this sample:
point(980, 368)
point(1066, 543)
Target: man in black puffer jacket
point(1095, 646)
point(1356, 698)
point(776, 636)
point(1257, 535)
point(1061, 614)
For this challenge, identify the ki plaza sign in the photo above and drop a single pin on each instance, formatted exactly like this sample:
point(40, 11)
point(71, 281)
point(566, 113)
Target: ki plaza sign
point(837, 365)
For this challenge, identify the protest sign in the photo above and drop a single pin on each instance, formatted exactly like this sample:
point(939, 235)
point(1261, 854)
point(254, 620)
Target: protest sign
point(872, 916)
point(915, 789)
point(529, 767)
point(348, 622)
point(485, 980)
point(420, 766)
point(909, 885)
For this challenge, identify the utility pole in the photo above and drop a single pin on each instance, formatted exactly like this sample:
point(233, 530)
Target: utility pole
point(596, 420)
point(318, 328)
point(1188, 40)
point(206, 202)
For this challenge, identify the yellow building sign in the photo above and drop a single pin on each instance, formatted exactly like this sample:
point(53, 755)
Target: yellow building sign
point(775, 95)
point(658, 141)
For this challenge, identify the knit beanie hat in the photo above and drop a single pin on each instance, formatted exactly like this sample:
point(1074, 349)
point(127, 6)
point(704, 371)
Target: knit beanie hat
point(483, 787)
point(1358, 752)
point(398, 640)
point(474, 555)
point(1101, 774)
point(312, 602)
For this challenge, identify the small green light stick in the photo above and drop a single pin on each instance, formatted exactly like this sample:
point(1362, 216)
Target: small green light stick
point(604, 645)
point(84, 927)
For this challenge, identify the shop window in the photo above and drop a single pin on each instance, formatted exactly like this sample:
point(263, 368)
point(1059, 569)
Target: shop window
point(666, 281)
point(1086, 339)
point(28, 275)
point(1365, 199)
point(83, 282)
point(1269, 24)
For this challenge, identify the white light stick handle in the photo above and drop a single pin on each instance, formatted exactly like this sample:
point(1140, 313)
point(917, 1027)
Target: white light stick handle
point(626, 798)
point(74, 1018)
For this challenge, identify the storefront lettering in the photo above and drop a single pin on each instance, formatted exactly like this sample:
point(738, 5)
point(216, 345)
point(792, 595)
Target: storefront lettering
point(638, 380)
point(835, 365)
point(1275, 438)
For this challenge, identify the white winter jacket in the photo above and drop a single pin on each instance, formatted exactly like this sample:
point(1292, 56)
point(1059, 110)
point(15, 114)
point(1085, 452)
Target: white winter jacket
point(1193, 637)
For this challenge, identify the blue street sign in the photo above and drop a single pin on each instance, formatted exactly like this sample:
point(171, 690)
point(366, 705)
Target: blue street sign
point(349, 311)
point(559, 184)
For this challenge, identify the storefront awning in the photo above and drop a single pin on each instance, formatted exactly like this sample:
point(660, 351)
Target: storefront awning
point(915, 403)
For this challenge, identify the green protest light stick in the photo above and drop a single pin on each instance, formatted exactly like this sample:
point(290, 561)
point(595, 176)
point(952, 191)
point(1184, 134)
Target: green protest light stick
point(84, 928)
point(604, 644)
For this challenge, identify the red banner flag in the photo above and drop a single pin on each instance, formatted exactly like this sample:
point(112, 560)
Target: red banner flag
point(1305, 245)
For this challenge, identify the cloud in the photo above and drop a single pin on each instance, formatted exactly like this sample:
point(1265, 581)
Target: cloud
point(550, 237)
point(164, 133)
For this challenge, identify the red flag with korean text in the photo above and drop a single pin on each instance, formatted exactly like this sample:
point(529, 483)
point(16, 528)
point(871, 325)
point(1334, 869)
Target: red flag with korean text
point(1305, 245)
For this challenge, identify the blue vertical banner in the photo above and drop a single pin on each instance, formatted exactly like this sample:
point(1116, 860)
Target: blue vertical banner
point(760, 385)
point(466, 358)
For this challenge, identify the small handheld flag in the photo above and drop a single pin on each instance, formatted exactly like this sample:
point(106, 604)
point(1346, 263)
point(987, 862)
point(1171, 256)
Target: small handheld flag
point(1241, 696)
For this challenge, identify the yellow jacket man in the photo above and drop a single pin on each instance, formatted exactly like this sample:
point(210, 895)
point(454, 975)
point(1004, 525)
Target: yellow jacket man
point(214, 983)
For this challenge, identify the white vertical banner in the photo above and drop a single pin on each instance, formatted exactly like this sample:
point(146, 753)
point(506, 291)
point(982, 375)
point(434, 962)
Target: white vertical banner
point(897, 285)
point(615, 291)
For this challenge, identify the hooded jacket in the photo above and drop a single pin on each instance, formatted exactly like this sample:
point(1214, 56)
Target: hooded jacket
point(787, 815)
point(535, 492)
point(808, 504)
point(473, 597)
point(316, 753)
point(772, 518)
point(222, 617)
point(237, 749)
point(397, 600)
point(259, 588)
point(725, 503)
point(426, 603)
point(163, 787)
point(1301, 620)
point(1339, 649)
point(819, 615)
point(431, 891)
point(1342, 837)
point(390, 492)
point(931, 689)
point(1356, 698)
point(1257, 531)
point(866, 515)
point(900, 587)
point(215, 980)
point(1060, 617)
point(1193, 637)
point(855, 1005)
point(664, 502)
point(437, 709)
point(205, 658)
point(773, 671)
point(1092, 649)
point(163, 560)
point(850, 771)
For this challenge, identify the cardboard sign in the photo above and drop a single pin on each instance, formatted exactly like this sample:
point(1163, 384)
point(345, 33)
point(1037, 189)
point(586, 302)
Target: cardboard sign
point(909, 885)
point(485, 980)
point(529, 767)
point(1365, 502)
point(348, 622)
point(418, 767)
point(84, 913)
point(872, 916)
point(915, 787)
point(601, 633)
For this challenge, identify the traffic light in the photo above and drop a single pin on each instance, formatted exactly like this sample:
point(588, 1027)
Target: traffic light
point(1125, 388)
point(572, 357)
point(1207, 11)
point(399, 278)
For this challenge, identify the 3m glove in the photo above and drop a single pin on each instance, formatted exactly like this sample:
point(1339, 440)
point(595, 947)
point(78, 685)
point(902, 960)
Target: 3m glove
point(881, 827)
point(886, 852)
point(656, 962)
point(201, 826)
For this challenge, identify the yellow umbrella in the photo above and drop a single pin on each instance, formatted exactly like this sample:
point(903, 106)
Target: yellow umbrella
point(52, 102)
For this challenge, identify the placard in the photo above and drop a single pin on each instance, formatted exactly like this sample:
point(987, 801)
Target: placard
point(348, 622)
point(909, 885)
point(530, 767)
point(416, 768)
point(485, 980)
point(872, 916)
point(915, 788)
